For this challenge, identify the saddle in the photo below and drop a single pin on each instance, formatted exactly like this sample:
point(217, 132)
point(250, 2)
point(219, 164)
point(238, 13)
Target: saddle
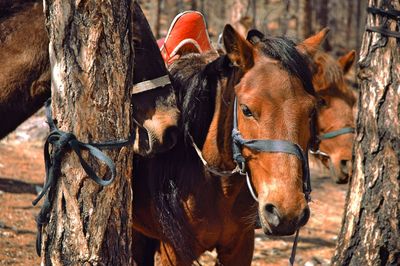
point(187, 34)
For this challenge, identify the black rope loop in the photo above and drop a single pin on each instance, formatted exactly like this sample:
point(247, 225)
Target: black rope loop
point(60, 143)
point(387, 14)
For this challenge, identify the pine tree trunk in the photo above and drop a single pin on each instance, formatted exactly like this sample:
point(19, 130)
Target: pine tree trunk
point(92, 65)
point(370, 232)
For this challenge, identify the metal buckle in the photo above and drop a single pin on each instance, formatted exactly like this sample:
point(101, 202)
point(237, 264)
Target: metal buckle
point(318, 152)
point(240, 168)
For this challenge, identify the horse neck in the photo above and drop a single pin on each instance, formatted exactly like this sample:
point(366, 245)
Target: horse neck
point(217, 149)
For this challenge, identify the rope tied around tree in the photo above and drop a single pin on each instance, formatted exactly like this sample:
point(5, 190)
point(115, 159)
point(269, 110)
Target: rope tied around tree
point(62, 142)
point(386, 14)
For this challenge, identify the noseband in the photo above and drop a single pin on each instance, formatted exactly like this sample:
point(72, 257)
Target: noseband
point(267, 145)
point(330, 135)
point(273, 146)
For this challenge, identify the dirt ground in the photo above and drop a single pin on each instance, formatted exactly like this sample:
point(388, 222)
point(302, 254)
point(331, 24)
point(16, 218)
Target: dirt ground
point(22, 172)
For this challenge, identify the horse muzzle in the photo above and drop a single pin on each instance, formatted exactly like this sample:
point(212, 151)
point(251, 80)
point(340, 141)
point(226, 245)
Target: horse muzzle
point(274, 222)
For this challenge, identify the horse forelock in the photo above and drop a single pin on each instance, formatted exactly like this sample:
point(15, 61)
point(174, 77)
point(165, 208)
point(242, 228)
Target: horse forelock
point(284, 51)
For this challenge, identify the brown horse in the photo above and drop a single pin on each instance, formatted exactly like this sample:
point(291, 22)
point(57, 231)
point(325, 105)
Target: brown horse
point(336, 116)
point(25, 76)
point(192, 201)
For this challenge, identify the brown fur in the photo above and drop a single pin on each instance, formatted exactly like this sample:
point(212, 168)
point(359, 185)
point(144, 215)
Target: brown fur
point(338, 112)
point(329, 83)
point(25, 76)
point(24, 66)
point(219, 211)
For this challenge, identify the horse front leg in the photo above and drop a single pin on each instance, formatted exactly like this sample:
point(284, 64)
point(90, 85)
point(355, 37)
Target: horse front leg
point(144, 249)
point(238, 252)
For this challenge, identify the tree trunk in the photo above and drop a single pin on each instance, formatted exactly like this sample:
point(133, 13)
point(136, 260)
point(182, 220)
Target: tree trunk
point(370, 232)
point(304, 19)
point(92, 67)
point(158, 19)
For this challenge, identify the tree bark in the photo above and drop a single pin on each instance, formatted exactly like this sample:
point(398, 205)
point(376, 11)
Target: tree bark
point(92, 66)
point(370, 232)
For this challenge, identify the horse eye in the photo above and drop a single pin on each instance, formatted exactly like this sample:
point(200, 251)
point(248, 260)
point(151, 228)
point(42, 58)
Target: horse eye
point(246, 111)
point(322, 102)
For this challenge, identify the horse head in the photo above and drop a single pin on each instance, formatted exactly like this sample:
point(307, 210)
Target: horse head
point(155, 110)
point(336, 116)
point(273, 114)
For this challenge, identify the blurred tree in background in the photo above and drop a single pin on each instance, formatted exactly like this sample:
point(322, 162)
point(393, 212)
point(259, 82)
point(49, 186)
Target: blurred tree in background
point(296, 19)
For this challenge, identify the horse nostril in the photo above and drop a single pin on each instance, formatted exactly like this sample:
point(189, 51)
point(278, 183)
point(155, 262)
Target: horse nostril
point(344, 167)
point(272, 215)
point(170, 137)
point(304, 216)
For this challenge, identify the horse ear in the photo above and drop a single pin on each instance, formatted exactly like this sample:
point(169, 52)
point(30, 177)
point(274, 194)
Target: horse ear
point(347, 61)
point(313, 43)
point(254, 36)
point(239, 51)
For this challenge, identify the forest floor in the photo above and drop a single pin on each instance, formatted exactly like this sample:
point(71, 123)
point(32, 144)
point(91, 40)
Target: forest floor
point(22, 172)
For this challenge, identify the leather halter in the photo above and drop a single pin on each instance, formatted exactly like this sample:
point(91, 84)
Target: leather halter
point(267, 145)
point(335, 133)
point(275, 146)
point(330, 135)
point(150, 84)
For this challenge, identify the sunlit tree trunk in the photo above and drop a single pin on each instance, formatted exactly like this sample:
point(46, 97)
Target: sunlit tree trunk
point(370, 233)
point(92, 66)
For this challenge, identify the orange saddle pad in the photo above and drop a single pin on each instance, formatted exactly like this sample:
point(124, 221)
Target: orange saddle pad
point(187, 33)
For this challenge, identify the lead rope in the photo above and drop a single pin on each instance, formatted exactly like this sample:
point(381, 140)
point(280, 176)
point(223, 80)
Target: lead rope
point(294, 248)
point(61, 142)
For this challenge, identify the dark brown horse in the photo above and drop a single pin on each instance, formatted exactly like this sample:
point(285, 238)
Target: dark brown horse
point(25, 76)
point(336, 116)
point(193, 206)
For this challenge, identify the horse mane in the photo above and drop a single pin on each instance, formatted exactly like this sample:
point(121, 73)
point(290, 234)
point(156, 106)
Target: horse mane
point(172, 175)
point(195, 78)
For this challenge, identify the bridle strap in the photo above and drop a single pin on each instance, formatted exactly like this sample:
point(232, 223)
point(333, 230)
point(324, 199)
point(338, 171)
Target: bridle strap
point(268, 145)
point(150, 84)
point(335, 133)
point(209, 168)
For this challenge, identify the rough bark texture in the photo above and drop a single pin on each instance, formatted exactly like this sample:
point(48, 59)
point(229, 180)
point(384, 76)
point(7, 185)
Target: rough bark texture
point(370, 233)
point(92, 62)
